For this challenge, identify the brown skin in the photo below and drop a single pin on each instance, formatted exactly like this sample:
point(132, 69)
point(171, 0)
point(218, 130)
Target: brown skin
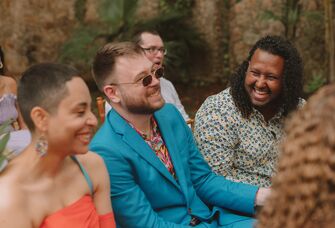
point(33, 187)
point(264, 82)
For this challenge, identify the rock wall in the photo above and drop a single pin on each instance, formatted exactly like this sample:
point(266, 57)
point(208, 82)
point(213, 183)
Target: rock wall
point(34, 30)
point(310, 40)
point(247, 25)
point(206, 17)
point(147, 9)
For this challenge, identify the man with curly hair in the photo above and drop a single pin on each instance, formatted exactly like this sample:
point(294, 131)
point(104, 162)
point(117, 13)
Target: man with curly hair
point(238, 129)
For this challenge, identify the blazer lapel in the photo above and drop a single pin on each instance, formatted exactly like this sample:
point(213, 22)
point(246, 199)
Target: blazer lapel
point(169, 139)
point(136, 142)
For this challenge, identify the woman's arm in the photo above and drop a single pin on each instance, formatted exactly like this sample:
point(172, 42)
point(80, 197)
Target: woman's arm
point(101, 184)
point(12, 85)
point(101, 196)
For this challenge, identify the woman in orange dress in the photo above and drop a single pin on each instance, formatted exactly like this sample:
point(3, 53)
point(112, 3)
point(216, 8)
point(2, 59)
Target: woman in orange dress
point(55, 181)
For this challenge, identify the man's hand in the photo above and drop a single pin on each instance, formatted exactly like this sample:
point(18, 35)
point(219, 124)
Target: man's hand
point(262, 195)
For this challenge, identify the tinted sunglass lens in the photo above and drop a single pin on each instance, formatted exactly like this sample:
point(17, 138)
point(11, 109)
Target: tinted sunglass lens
point(159, 72)
point(147, 80)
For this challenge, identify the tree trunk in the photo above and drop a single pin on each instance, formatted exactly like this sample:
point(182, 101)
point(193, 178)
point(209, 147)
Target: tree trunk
point(329, 39)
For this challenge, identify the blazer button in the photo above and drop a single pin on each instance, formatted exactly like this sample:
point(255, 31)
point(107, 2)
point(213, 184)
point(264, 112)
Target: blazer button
point(189, 210)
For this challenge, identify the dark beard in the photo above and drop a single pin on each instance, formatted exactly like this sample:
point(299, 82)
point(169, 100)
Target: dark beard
point(143, 110)
point(136, 105)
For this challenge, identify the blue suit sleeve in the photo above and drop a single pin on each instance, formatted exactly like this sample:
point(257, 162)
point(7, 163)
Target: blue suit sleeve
point(130, 205)
point(216, 190)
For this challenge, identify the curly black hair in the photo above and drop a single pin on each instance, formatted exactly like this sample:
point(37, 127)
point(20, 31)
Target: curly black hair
point(292, 75)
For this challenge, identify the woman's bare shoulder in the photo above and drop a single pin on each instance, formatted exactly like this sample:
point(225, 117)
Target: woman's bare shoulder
point(9, 83)
point(10, 189)
point(94, 165)
point(12, 204)
point(8, 80)
point(90, 160)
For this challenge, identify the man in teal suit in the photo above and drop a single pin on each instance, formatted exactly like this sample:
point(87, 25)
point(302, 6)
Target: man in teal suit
point(158, 177)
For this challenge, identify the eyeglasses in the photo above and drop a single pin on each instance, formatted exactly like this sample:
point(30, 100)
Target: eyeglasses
point(155, 50)
point(158, 73)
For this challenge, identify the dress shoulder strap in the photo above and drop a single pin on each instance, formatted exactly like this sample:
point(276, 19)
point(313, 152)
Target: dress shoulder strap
point(87, 177)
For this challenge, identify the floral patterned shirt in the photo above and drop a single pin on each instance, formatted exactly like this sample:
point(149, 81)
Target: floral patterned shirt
point(157, 144)
point(242, 150)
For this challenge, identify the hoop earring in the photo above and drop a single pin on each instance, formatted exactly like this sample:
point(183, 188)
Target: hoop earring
point(41, 146)
point(1, 64)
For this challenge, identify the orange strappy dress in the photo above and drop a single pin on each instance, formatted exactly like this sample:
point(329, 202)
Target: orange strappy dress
point(80, 214)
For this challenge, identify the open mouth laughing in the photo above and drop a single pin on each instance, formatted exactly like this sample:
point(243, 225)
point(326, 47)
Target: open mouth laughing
point(85, 137)
point(260, 95)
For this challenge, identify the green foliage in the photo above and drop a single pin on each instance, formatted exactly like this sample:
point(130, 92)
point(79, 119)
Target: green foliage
point(230, 2)
point(317, 80)
point(270, 15)
point(180, 6)
point(81, 47)
point(180, 39)
point(4, 137)
point(176, 59)
point(290, 15)
point(117, 14)
point(118, 22)
point(79, 7)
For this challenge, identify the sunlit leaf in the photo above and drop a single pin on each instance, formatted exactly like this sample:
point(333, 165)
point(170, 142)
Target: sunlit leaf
point(3, 141)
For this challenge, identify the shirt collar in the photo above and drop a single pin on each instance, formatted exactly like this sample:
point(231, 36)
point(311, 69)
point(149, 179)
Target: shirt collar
point(278, 115)
point(153, 125)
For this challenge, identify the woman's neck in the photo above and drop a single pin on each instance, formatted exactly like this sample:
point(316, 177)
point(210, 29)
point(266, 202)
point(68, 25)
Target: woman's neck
point(38, 166)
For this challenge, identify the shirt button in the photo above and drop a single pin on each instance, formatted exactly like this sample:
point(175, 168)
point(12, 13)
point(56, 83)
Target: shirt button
point(189, 210)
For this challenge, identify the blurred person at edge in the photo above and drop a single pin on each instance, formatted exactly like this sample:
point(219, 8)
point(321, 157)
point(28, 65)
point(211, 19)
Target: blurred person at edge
point(303, 190)
point(9, 111)
point(55, 182)
point(152, 44)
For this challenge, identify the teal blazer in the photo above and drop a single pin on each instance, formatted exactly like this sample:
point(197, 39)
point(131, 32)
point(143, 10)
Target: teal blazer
point(144, 193)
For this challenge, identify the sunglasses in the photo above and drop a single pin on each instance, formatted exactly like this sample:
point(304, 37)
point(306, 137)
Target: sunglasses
point(158, 73)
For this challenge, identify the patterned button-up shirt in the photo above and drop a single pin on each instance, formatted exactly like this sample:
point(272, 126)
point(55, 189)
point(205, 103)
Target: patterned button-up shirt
point(242, 150)
point(157, 144)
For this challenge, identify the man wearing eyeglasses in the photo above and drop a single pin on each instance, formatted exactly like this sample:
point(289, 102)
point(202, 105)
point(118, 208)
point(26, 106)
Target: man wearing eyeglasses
point(158, 176)
point(153, 47)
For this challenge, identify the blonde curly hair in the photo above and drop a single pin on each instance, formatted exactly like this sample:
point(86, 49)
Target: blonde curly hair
point(303, 191)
